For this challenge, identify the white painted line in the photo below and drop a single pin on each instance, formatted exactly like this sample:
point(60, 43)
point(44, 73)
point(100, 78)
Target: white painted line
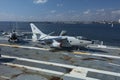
point(34, 48)
point(100, 55)
point(66, 66)
point(34, 68)
point(78, 56)
point(27, 47)
point(65, 53)
point(115, 64)
point(4, 77)
point(103, 72)
point(48, 71)
point(39, 62)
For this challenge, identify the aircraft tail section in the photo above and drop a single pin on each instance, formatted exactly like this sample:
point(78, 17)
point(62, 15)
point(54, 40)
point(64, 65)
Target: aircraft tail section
point(35, 30)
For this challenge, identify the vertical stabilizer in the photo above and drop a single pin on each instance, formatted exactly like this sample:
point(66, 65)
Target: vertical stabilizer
point(35, 30)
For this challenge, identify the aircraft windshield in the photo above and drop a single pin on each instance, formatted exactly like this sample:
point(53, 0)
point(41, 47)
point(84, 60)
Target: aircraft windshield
point(81, 38)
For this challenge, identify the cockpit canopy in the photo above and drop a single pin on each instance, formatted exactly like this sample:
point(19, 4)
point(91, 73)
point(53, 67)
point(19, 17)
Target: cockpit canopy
point(82, 38)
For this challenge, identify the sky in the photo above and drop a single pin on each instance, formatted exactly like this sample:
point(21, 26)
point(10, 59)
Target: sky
point(59, 10)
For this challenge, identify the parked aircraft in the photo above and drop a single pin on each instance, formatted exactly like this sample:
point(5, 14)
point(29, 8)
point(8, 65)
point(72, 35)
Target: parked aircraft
point(58, 41)
point(12, 36)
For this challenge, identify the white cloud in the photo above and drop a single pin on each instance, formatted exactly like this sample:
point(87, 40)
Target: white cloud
point(116, 12)
point(53, 11)
point(59, 5)
point(86, 12)
point(71, 11)
point(101, 10)
point(6, 16)
point(40, 1)
point(13, 17)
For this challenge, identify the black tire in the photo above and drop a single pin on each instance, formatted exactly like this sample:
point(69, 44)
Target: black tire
point(9, 40)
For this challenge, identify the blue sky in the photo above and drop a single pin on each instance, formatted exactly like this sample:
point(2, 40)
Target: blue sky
point(59, 10)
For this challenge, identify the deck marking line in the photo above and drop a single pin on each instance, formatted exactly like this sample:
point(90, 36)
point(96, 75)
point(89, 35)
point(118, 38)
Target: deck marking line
point(48, 71)
point(75, 52)
point(101, 55)
point(114, 64)
point(4, 77)
point(66, 66)
point(28, 47)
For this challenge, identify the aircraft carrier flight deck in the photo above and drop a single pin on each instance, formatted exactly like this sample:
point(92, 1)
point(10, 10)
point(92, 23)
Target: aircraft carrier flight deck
point(32, 61)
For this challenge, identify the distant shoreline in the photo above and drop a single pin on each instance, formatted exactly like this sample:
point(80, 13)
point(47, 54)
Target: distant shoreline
point(69, 22)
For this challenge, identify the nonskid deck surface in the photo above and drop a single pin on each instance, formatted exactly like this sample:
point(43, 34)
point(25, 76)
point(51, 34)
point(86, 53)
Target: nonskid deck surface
point(34, 62)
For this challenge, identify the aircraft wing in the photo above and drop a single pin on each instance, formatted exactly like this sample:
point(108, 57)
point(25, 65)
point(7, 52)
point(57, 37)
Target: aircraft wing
point(63, 41)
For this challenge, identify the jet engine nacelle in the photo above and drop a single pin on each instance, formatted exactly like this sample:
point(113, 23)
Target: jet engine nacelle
point(13, 38)
point(56, 44)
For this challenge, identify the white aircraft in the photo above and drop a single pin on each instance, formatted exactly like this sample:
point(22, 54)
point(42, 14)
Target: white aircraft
point(12, 36)
point(58, 41)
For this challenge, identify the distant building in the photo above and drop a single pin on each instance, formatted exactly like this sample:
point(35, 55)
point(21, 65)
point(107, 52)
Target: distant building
point(119, 21)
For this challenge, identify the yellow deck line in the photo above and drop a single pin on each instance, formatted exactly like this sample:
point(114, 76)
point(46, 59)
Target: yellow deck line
point(78, 52)
point(9, 45)
point(18, 46)
point(75, 52)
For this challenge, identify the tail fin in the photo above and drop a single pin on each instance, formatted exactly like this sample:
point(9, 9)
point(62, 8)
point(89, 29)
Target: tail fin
point(35, 30)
